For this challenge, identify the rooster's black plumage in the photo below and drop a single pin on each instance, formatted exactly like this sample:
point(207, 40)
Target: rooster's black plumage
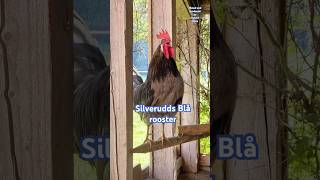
point(164, 84)
point(91, 89)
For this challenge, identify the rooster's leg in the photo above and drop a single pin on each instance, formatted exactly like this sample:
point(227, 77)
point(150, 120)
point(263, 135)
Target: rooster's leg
point(163, 137)
point(148, 139)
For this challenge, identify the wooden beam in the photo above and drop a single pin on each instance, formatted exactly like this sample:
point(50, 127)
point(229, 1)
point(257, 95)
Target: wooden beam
point(121, 137)
point(187, 38)
point(205, 169)
point(36, 70)
point(194, 129)
point(61, 36)
point(162, 15)
point(169, 142)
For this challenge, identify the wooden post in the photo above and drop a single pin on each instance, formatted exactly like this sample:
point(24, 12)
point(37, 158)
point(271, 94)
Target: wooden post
point(256, 108)
point(188, 53)
point(162, 15)
point(36, 70)
point(137, 173)
point(121, 90)
point(188, 40)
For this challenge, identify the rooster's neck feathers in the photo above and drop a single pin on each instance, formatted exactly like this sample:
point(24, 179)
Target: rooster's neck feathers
point(160, 67)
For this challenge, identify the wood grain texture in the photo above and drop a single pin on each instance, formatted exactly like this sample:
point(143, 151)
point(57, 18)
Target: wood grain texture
point(270, 57)
point(251, 111)
point(36, 90)
point(121, 90)
point(248, 115)
point(169, 142)
point(204, 160)
point(162, 15)
point(201, 175)
point(194, 129)
point(187, 38)
point(137, 173)
point(177, 167)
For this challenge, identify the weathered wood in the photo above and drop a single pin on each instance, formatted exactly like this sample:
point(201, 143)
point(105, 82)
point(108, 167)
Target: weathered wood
point(61, 21)
point(177, 167)
point(256, 102)
point(162, 15)
point(36, 73)
point(205, 168)
point(169, 142)
point(204, 160)
point(194, 129)
point(145, 172)
point(177, 173)
point(137, 173)
point(178, 163)
point(187, 38)
point(121, 136)
point(201, 175)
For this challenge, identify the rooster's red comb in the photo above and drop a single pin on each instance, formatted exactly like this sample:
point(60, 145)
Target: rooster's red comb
point(164, 35)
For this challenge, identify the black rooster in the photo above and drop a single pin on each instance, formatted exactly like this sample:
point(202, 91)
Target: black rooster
point(164, 84)
point(91, 89)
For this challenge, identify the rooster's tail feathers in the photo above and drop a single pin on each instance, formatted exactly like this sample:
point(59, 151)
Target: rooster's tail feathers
point(137, 80)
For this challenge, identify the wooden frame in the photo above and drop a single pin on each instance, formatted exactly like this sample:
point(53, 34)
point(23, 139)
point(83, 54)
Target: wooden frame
point(159, 19)
point(36, 70)
point(190, 72)
point(61, 12)
point(121, 137)
point(186, 133)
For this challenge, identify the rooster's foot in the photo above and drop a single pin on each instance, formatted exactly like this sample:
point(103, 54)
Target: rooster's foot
point(147, 140)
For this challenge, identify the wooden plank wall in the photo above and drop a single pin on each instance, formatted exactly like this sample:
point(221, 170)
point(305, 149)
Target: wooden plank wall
point(36, 73)
point(162, 15)
point(121, 90)
point(188, 40)
point(251, 112)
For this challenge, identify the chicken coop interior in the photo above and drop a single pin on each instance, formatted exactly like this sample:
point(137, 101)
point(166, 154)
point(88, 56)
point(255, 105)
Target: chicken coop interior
point(184, 154)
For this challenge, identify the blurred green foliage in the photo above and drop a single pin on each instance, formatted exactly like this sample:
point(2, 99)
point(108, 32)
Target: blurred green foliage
point(303, 104)
point(204, 91)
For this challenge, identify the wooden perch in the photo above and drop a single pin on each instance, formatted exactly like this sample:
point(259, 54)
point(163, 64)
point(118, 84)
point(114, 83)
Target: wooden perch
point(186, 134)
point(169, 142)
point(194, 129)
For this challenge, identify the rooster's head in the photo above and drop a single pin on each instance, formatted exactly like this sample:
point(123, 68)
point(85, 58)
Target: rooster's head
point(167, 49)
